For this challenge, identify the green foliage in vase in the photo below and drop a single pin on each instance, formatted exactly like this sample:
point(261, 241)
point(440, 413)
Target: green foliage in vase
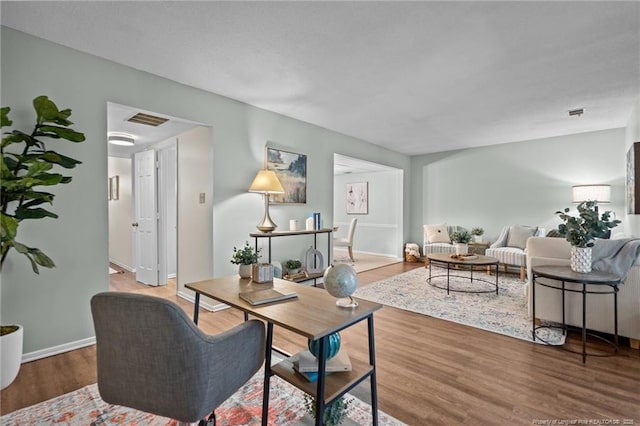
point(582, 230)
point(463, 237)
point(333, 414)
point(477, 231)
point(27, 164)
point(246, 255)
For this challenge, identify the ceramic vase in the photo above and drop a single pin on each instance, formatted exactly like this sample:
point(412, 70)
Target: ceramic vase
point(331, 348)
point(461, 248)
point(245, 271)
point(10, 356)
point(581, 259)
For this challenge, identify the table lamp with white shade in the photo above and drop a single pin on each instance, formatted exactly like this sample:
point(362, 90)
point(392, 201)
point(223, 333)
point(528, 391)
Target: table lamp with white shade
point(266, 182)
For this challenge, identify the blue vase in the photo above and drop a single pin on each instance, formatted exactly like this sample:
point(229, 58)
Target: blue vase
point(331, 347)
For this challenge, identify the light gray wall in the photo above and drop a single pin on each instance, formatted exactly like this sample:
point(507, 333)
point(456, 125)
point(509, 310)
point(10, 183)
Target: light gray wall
point(378, 232)
point(54, 306)
point(518, 183)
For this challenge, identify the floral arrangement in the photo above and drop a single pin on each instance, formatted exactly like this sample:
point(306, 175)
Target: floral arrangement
point(476, 232)
point(463, 237)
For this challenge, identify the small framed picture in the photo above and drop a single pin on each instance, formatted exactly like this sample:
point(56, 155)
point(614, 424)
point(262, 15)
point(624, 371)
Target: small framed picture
point(358, 198)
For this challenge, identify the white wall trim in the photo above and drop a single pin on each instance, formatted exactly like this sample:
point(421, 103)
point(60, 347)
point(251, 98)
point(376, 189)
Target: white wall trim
point(122, 265)
point(209, 307)
point(369, 225)
point(55, 350)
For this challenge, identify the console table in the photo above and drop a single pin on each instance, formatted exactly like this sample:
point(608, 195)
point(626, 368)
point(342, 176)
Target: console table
point(313, 315)
point(594, 279)
point(314, 232)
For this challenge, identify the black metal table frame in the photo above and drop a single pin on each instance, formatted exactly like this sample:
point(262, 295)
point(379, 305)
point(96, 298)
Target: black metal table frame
point(563, 289)
point(448, 275)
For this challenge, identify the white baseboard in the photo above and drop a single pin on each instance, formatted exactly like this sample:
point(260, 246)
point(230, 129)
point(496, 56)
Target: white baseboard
point(123, 266)
point(209, 307)
point(369, 253)
point(55, 350)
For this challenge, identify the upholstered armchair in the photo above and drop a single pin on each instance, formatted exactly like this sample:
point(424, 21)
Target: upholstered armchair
point(153, 358)
point(510, 247)
point(436, 239)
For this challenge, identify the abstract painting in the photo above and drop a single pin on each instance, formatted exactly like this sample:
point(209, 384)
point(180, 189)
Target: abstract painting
point(633, 181)
point(358, 198)
point(291, 169)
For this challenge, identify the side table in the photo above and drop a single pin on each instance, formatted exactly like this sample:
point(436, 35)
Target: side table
point(593, 280)
point(478, 248)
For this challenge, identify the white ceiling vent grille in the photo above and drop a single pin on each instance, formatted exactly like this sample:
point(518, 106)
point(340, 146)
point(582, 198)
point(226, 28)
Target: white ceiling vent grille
point(149, 120)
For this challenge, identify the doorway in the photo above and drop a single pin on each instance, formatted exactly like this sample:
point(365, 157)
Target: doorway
point(159, 253)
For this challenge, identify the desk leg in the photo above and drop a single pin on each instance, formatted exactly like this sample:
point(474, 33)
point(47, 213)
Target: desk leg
point(372, 361)
point(196, 308)
point(322, 363)
point(267, 374)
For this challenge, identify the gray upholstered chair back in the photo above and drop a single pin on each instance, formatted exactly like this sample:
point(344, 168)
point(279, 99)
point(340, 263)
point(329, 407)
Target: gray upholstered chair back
point(153, 358)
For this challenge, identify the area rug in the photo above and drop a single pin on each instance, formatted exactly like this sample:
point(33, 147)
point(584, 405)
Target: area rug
point(85, 407)
point(504, 313)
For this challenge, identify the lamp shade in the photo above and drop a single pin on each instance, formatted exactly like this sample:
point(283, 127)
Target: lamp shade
point(266, 182)
point(598, 193)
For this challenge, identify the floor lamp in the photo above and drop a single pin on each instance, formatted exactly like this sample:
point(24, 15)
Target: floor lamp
point(266, 182)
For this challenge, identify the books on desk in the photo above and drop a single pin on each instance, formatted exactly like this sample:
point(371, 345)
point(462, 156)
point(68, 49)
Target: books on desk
point(266, 295)
point(306, 364)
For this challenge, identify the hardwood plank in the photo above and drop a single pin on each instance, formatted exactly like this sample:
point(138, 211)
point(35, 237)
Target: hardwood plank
point(430, 371)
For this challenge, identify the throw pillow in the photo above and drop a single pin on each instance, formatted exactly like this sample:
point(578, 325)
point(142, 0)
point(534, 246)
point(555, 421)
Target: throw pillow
point(437, 233)
point(554, 233)
point(518, 236)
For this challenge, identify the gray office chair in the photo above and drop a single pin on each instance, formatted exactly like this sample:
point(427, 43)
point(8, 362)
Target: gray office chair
point(153, 358)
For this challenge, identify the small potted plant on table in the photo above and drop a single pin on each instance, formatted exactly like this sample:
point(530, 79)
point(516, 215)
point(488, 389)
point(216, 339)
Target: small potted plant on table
point(245, 257)
point(461, 241)
point(293, 266)
point(477, 234)
point(581, 231)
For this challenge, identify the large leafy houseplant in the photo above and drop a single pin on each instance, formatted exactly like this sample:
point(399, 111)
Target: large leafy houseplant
point(582, 230)
point(28, 164)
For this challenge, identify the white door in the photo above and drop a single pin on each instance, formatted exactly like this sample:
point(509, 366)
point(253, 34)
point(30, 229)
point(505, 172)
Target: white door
point(146, 217)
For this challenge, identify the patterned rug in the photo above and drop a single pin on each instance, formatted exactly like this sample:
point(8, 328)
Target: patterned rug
point(505, 313)
point(85, 407)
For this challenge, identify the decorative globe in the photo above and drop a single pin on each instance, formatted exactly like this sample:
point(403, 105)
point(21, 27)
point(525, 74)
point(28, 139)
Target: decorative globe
point(341, 281)
point(331, 348)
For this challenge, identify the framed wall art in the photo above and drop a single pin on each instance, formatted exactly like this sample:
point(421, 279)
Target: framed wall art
point(291, 169)
point(114, 187)
point(633, 180)
point(358, 198)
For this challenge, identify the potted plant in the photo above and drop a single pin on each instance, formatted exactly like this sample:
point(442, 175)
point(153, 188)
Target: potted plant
point(333, 414)
point(461, 241)
point(477, 234)
point(293, 266)
point(581, 231)
point(245, 257)
point(26, 165)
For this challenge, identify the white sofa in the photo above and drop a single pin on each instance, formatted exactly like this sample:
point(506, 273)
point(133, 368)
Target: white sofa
point(600, 312)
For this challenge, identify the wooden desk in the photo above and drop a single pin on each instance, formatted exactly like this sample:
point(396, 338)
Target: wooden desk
point(314, 315)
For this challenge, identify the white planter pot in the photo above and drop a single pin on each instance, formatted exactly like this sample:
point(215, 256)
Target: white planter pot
point(581, 259)
point(245, 271)
point(10, 356)
point(477, 238)
point(461, 248)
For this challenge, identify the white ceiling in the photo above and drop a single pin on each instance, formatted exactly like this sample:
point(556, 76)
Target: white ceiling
point(415, 77)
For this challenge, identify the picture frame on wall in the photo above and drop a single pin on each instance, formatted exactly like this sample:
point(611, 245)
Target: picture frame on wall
point(633, 180)
point(358, 198)
point(291, 169)
point(114, 188)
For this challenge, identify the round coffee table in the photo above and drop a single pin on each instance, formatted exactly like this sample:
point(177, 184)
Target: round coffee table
point(450, 262)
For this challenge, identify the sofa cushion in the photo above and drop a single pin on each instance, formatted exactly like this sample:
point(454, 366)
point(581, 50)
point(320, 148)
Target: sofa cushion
point(518, 236)
point(437, 233)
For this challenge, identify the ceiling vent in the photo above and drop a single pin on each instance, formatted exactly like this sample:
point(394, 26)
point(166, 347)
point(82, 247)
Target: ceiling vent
point(149, 120)
point(574, 112)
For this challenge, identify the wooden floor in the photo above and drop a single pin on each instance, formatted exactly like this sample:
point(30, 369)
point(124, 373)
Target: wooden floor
point(430, 372)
